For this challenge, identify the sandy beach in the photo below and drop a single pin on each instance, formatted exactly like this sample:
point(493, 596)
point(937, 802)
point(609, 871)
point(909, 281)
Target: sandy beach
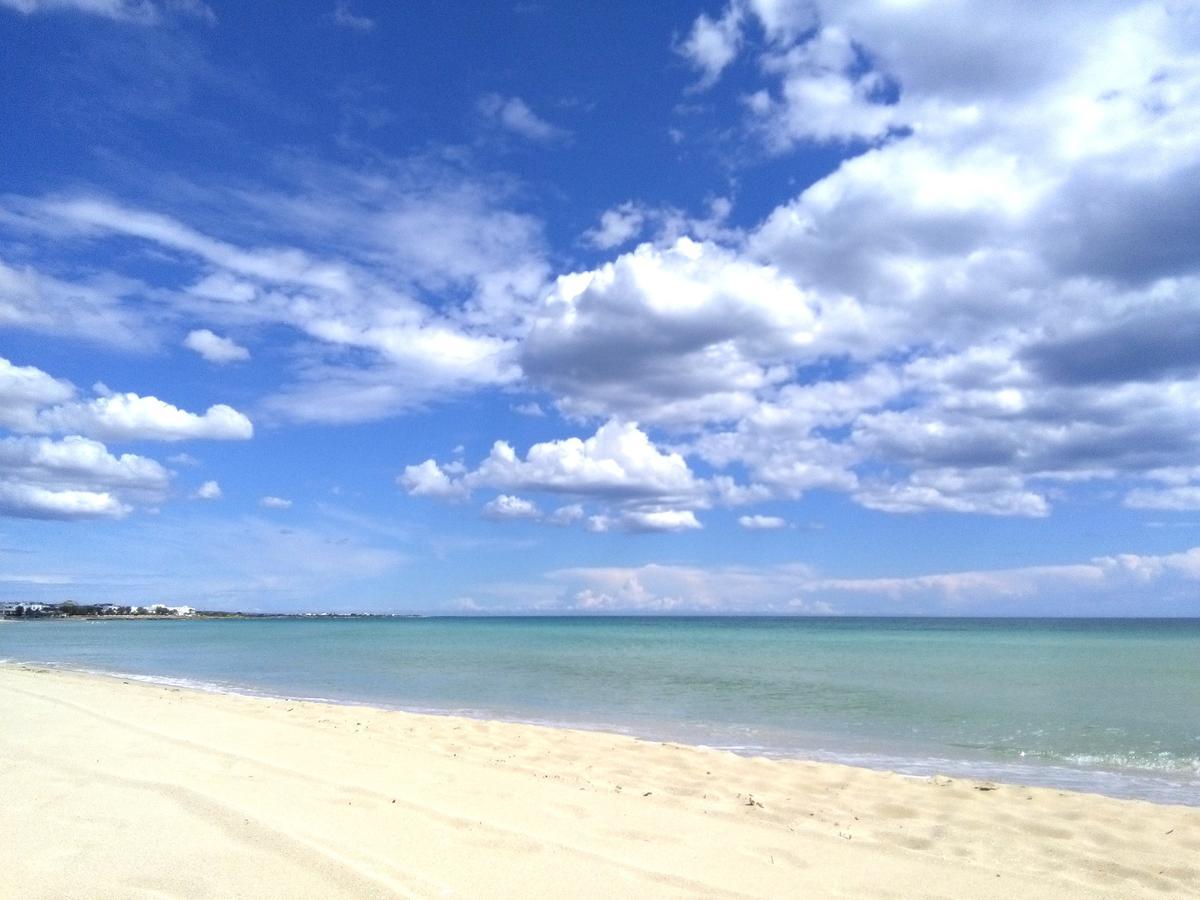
point(114, 788)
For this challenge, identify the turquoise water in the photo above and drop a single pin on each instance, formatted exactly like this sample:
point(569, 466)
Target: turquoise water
point(1111, 706)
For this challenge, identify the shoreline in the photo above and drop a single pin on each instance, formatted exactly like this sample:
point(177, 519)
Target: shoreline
point(348, 800)
point(1037, 774)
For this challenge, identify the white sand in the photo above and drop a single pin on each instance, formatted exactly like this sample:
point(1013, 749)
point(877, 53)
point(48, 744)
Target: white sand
point(114, 789)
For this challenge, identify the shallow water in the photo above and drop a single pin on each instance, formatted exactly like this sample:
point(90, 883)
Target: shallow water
point(1111, 706)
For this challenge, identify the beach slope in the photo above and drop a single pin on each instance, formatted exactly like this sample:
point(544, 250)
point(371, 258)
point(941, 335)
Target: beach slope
point(113, 788)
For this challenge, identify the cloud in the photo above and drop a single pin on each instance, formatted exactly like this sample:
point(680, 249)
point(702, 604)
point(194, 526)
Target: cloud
point(700, 331)
point(400, 287)
point(214, 348)
point(92, 310)
point(646, 520)
point(74, 478)
point(1146, 345)
point(641, 488)
point(275, 503)
point(1124, 584)
point(31, 401)
point(141, 12)
point(210, 490)
point(129, 417)
point(428, 480)
point(989, 301)
point(762, 523)
point(513, 114)
point(618, 462)
point(33, 502)
point(970, 331)
point(617, 226)
point(1178, 498)
point(667, 224)
point(712, 44)
point(507, 506)
point(531, 409)
point(26, 389)
point(566, 515)
point(347, 19)
point(986, 491)
point(94, 216)
point(824, 95)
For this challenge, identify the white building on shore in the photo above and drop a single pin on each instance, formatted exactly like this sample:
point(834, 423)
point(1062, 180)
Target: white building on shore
point(161, 609)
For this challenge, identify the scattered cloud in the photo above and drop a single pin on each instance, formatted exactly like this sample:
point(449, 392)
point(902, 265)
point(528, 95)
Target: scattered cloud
point(712, 44)
point(343, 16)
point(214, 348)
point(506, 506)
point(94, 309)
point(762, 523)
point(631, 220)
point(617, 226)
point(566, 515)
point(947, 321)
point(532, 409)
point(645, 520)
point(400, 287)
point(639, 487)
point(275, 503)
point(514, 115)
point(1123, 584)
point(210, 490)
point(141, 12)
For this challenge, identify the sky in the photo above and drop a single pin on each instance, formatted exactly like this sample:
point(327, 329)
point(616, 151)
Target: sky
point(738, 306)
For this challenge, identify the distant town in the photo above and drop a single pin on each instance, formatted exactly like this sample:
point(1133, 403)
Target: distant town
point(70, 610)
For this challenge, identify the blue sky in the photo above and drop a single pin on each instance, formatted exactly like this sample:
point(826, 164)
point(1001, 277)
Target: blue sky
point(754, 306)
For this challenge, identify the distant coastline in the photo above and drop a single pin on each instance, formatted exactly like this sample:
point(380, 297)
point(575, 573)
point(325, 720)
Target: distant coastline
point(160, 611)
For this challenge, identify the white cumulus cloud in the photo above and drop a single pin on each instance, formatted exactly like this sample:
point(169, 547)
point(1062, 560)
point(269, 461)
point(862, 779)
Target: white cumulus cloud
point(74, 478)
point(507, 506)
point(619, 461)
point(128, 417)
point(428, 479)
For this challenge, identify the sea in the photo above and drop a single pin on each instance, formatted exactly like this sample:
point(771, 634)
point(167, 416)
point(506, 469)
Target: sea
point(1109, 706)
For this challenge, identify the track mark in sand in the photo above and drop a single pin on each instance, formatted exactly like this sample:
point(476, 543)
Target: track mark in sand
point(646, 875)
point(245, 828)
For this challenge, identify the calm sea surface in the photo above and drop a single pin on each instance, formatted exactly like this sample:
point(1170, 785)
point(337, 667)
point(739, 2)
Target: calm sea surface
point(1103, 705)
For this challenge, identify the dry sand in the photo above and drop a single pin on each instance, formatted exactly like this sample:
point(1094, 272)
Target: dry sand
point(123, 789)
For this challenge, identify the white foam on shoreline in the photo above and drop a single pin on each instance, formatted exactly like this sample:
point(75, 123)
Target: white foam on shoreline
point(1136, 784)
point(1143, 785)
